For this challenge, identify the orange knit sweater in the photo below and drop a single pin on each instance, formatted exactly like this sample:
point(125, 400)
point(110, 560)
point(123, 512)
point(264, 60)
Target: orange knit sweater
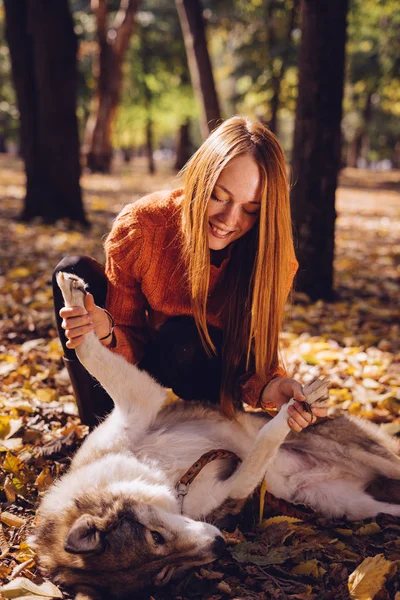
point(147, 279)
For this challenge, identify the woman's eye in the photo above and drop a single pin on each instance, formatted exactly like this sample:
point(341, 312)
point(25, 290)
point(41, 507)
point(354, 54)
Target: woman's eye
point(252, 213)
point(157, 537)
point(214, 197)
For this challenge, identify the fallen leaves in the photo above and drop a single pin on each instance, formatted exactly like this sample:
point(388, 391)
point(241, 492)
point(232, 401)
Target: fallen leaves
point(369, 577)
point(355, 341)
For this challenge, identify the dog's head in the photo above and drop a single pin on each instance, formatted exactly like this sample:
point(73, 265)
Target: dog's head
point(110, 546)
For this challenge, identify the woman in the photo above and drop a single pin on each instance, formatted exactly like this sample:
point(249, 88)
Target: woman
point(197, 280)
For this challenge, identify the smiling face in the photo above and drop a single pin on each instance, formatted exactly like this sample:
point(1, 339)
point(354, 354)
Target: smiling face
point(234, 206)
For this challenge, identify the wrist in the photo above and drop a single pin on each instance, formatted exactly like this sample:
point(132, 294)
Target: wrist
point(106, 333)
point(268, 398)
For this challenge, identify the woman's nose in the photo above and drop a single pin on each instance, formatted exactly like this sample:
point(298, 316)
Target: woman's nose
point(229, 215)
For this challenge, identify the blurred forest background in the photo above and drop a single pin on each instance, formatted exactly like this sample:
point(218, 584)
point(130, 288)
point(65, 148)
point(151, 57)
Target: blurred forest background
point(102, 102)
point(153, 78)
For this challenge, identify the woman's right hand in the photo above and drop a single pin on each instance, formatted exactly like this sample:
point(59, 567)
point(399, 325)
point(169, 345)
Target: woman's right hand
point(77, 323)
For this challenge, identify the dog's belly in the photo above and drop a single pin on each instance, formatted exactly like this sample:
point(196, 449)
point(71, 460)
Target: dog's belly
point(177, 447)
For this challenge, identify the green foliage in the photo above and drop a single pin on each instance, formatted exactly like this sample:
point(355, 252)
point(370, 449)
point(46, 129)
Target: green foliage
point(373, 76)
point(157, 83)
point(9, 113)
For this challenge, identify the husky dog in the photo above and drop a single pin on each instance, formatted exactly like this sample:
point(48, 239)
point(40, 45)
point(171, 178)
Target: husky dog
point(114, 523)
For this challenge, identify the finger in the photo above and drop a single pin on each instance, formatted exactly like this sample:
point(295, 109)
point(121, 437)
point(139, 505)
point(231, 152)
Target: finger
point(71, 311)
point(302, 419)
point(298, 393)
point(320, 412)
point(293, 425)
point(71, 344)
point(77, 332)
point(292, 389)
point(89, 302)
point(74, 322)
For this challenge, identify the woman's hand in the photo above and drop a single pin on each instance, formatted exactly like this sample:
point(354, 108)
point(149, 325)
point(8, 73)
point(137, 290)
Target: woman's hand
point(77, 323)
point(279, 391)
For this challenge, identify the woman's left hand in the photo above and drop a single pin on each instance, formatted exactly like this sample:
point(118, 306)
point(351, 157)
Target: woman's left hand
point(279, 391)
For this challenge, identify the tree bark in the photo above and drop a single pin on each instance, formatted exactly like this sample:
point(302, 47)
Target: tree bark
point(113, 43)
point(43, 49)
point(279, 73)
point(183, 145)
point(317, 141)
point(194, 35)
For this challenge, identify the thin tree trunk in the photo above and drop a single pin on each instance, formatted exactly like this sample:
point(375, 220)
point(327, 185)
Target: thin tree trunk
point(278, 74)
point(113, 43)
point(183, 145)
point(43, 48)
point(317, 139)
point(194, 35)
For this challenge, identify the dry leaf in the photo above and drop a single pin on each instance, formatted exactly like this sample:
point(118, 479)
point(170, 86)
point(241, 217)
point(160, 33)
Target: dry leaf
point(369, 577)
point(279, 519)
point(23, 587)
point(11, 520)
point(369, 529)
point(4, 545)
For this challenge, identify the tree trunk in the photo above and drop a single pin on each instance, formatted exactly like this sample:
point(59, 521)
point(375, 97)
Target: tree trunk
point(113, 44)
point(359, 147)
point(183, 145)
point(279, 73)
point(43, 48)
point(194, 35)
point(317, 140)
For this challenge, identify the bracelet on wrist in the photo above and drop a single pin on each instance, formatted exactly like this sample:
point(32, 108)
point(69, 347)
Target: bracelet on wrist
point(112, 325)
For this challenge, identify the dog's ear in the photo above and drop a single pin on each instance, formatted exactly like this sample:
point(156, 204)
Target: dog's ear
point(84, 537)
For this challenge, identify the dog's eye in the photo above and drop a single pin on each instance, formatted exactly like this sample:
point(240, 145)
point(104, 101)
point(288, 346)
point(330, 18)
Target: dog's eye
point(157, 537)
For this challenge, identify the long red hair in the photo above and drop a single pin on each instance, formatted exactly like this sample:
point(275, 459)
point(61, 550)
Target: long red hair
point(256, 279)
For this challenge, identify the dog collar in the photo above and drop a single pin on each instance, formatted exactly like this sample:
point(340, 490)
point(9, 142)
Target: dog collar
point(182, 487)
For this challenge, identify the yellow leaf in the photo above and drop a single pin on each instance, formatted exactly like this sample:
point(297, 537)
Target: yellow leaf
point(369, 577)
point(25, 552)
point(22, 587)
point(345, 532)
point(44, 479)
point(263, 491)
point(369, 529)
point(4, 426)
point(311, 567)
point(11, 520)
point(350, 556)
point(18, 273)
point(279, 519)
point(310, 359)
point(46, 395)
point(340, 545)
point(12, 463)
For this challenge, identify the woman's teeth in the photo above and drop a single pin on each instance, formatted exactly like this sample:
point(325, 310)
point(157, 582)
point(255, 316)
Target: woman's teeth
point(219, 231)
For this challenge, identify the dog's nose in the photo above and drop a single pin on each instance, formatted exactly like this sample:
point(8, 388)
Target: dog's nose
point(218, 545)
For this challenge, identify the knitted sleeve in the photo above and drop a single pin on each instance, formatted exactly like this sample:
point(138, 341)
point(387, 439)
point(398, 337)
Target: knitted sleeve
point(125, 300)
point(252, 387)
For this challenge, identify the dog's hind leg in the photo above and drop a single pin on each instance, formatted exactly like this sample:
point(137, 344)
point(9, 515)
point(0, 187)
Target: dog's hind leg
point(344, 498)
point(134, 392)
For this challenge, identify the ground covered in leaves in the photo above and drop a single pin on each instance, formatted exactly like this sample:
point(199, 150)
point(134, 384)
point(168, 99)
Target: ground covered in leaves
point(355, 341)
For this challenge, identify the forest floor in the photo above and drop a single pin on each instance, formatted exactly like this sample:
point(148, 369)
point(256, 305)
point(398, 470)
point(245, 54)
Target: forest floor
point(354, 340)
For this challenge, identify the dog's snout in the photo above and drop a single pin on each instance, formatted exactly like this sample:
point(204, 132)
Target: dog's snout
point(218, 545)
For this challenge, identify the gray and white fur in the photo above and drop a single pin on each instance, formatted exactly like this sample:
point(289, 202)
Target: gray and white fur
point(112, 524)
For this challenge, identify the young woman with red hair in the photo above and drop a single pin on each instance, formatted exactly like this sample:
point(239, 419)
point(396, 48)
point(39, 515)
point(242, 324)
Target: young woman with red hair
point(196, 281)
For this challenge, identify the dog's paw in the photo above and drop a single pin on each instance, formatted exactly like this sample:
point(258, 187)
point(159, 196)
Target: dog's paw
point(72, 289)
point(316, 392)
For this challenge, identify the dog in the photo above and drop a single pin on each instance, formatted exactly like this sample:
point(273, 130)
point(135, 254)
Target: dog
point(117, 521)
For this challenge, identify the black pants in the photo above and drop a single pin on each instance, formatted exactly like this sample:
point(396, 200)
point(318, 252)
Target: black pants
point(175, 356)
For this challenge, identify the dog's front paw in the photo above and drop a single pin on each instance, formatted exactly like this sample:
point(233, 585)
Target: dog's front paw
point(72, 289)
point(316, 393)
